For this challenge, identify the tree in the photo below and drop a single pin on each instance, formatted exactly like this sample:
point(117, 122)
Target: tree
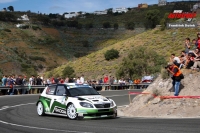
point(106, 25)
point(164, 21)
point(68, 72)
point(10, 8)
point(140, 61)
point(115, 26)
point(89, 25)
point(111, 54)
point(130, 25)
point(44, 19)
point(152, 18)
point(109, 11)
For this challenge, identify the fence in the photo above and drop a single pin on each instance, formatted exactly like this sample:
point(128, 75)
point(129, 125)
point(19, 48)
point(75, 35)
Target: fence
point(98, 87)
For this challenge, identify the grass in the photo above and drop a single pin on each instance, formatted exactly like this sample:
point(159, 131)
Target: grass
point(162, 42)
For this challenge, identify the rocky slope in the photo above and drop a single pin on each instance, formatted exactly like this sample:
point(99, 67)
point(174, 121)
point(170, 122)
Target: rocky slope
point(145, 105)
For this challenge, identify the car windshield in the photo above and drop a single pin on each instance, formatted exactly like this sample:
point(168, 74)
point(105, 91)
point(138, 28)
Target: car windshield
point(82, 91)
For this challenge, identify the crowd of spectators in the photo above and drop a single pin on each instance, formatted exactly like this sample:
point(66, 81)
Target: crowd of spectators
point(190, 57)
point(12, 81)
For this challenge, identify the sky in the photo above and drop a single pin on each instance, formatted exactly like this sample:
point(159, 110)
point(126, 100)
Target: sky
point(62, 6)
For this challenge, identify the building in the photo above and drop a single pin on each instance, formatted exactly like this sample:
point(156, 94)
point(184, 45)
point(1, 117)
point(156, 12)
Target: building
point(24, 18)
point(100, 12)
point(162, 2)
point(143, 5)
point(120, 10)
point(71, 15)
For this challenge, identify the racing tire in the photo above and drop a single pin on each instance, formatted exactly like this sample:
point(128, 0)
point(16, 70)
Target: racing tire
point(40, 109)
point(114, 116)
point(71, 112)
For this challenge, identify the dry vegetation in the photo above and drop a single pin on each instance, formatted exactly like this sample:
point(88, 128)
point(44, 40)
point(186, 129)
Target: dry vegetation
point(165, 42)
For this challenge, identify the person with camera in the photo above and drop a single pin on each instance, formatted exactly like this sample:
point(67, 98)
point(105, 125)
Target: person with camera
point(177, 76)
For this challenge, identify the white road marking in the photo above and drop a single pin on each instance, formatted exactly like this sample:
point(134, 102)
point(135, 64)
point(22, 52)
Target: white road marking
point(32, 127)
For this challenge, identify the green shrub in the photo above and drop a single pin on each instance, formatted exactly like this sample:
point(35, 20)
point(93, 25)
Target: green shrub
point(37, 58)
point(106, 25)
point(24, 27)
point(36, 27)
point(68, 72)
point(111, 54)
point(164, 74)
point(7, 30)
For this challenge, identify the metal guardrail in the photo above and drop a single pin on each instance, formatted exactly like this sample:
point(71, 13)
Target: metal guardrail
point(23, 87)
point(94, 85)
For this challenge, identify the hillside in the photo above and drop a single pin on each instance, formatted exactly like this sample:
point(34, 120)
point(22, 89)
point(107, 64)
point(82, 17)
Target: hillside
point(94, 65)
point(147, 106)
point(47, 43)
point(29, 51)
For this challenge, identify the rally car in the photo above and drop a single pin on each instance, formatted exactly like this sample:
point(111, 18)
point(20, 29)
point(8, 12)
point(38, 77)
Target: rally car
point(76, 101)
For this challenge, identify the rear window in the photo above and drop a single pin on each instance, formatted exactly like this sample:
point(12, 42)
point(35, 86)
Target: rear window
point(50, 90)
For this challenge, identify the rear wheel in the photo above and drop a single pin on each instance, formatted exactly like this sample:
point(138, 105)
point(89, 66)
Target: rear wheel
point(71, 112)
point(40, 109)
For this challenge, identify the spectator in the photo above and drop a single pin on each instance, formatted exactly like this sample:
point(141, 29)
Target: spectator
point(48, 81)
point(11, 84)
point(183, 59)
point(196, 62)
point(39, 82)
point(189, 61)
point(105, 80)
point(31, 80)
point(195, 52)
point(193, 45)
point(111, 82)
point(19, 82)
point(62, 80)
point(24, 83)
point(175, 60)
point(78, 81)
point(100, 81)
point(4, 81)
point(122, 83)
point(198, 40)
point(82, 79)
point(187, 45)
point(176, 72)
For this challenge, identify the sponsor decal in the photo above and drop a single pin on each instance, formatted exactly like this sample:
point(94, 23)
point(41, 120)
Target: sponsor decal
point(59, 110)
point(181, 25)
point(180, 14)
point(47, 109)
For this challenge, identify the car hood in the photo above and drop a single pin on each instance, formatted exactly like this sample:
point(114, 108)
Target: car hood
point(95, 99)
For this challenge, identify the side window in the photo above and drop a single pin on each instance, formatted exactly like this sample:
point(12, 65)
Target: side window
point(50, 90)
point(60, 91)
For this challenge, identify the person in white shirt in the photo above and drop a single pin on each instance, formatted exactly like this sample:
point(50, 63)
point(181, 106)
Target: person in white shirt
point(175, 60)
point(82, 79)
point(78, 81)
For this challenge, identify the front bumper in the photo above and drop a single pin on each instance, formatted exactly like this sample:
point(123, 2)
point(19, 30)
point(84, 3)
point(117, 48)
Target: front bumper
point(97, 113)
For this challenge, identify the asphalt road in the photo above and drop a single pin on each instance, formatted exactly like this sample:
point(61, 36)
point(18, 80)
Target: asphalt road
point(18, 115)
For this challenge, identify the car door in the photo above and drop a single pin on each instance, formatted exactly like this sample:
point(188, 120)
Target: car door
point(59, 106)
point(50, 91)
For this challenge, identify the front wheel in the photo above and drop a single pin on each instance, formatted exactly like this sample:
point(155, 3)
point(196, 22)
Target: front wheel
point(71, 112)
point(40, 109)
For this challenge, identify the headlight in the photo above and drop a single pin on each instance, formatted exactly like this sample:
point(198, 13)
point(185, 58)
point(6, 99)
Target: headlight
point(111, 102)
point(86, 105)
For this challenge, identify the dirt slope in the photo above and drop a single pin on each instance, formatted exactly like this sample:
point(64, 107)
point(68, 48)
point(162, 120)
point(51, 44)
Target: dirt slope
point(144, 105)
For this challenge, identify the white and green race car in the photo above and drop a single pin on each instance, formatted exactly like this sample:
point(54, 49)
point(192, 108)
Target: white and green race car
point(76, 101)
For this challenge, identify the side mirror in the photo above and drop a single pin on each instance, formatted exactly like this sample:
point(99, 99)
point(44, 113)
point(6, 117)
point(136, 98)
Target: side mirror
point(65, 95)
